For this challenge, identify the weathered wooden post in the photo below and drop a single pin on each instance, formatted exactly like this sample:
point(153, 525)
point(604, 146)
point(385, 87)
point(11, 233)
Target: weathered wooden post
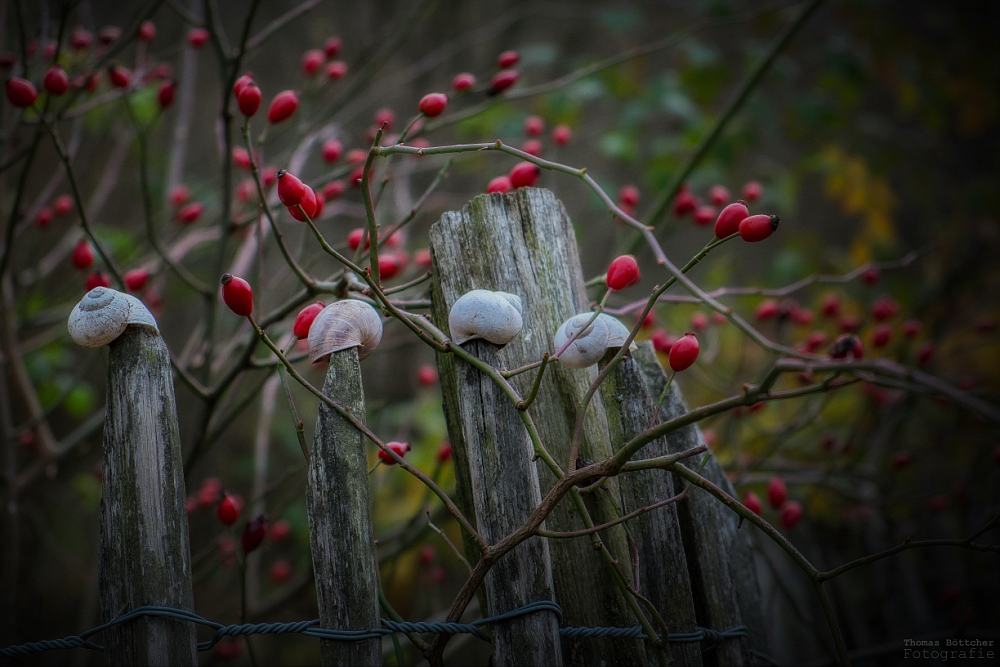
point(338, 499)
point(145, 557)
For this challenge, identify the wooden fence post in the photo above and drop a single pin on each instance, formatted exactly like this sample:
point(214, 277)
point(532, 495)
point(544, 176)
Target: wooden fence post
point(340, 519)
point(145, 556)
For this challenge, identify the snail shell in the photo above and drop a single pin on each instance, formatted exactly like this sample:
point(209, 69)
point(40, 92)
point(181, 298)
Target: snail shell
point(492, 316)
point(343, 324)
point(591, 344)
point(102, 315)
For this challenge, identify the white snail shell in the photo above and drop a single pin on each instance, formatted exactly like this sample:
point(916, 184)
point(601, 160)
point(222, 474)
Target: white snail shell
point(102, 315)
point(591, 344)
point(343, 324)
point(492, 316)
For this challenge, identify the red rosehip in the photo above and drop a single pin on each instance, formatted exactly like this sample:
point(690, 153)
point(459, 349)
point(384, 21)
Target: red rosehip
point(699, 321)
point(501, 81)
point(159, 72)
point(63, 205)
point(508, 59)
point(208, 493)
point(849, 323)
point(427, 376)
point(684, 353)
point(332, 150)
point(399, 448)
point(704, 215)
point(685, 202)
point(885, 308)
point(241, 158)
point(280, 572)
point(432, 104)
point(97, 279)
point(269, 176)
point(83, 255)
point(534, 126)
point(228, 510)
point(92, 82)
point(389, 266)
point(356, 176)
point(304, 320)
point(422, 258)
point(165, 96)
point(831, 305)
point(80, 39)
point(499, 184)
point(333, 189)
point(240, 84)
point(190, 213)
point(629, 195)
point(237, 294)
point(312, 60)
point(815, 340)
point(718, 195)
point(532, 147)
point(119, 76)
point(444, 452)
point(870, 276)
point(355, 236)
point(386, 117)
point(777, 492)
point(332, 46)
point(524, 175)
point(882, 335)
point(283, 106)
point(312, 206)
point(758, 227)
point(249, 99)
point(648, 321)
point(791, 514)
point(752, 191)
point(427, 554)
point(21, 92)
point(254, 534)
point(767, 309)
point(290, 189)
point(147, 31)
point(109, 34)
point(280, 531)
point(801, 316)
point(728, 222)
point(752, 502)
point(44, 217)
point(463, 81)
point(56, 81)
point(197, 37)
point(356, 156)
point(846, 344)
point(622, 272)
point(336, 70)
point(179, 195)
point(228, 648)
point(911, 328)
point(561, 135)
point(925, 352)
point(662, 341)
point(135, 279)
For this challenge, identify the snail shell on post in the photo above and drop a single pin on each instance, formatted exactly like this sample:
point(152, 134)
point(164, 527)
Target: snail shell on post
point(492, 316)
point(592, 343)
point(343, 324)
point(103, 314)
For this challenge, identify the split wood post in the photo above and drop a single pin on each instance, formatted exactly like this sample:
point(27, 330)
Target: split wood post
point(145, 558)
point(523, 243)
point(720, 559)
point(340, 519)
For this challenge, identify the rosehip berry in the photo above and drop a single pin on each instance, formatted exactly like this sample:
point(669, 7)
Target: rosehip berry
point(333, 189)
point(718, 195)
point(758, 227)
point(135, 279)
point(629, 195)
point(815, 340)
point(561, 135)
point(290, 189)
point(534, 126)
point(728, 222)
point(399, 448)
point(332, 46)
point(80, 39)
point(386, 117)
point(508, 59)
point(312, 60)
point(767, 309)
point(752, 191)
point(427, 554)
point(109, 34)
point(336, 70)
point(197, 37)
point(524, 175)
point(911, 328)
point(648, 321)
point(925, 352)
point(159, 72)
point(622, 272)
point(304, 320)
point(56, 81)
point(280, 531)
point(119, 76)
point(241, 158)
point(699, 321)
point(432, 104)
point(179, 195)
point(685, 202)
point(388, 266)
point(283, 106)
point(189, 213)
point(21, 92)
point(422, 258)
point(165, 96)
point(684, 353)
point(240, 84)
point(831, 305)
point(332, 150)
point(97, 279)
point(356, 156)
point(849, 323)
point(147, 31)
point(444, 452)
point(791, 514)
point(311, 204)
point(83, 255)
point(254, 534)
point(532, 147)
point(427, 376)
point(269, 176)
point(463, 81)
point(280, 572)
point(885, 308)
point(354, 238)
point(501, 81)
point(882, 335)
point(870, 276)
point(846, 344)
point(228, 510)
point(801, 316)
point(704, 215)
point(208, 493)
point(499, 184)
point(662, 341)
point(44, 217)
point(237, 294)
point(249, 99)
point(777, 492)
point(752, 502)
point(356, 176)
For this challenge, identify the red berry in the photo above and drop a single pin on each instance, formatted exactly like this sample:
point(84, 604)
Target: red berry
point(56, 81)
point(499, 184)
point(304, 320)
point(882, 335)
point(240, 84)
point(427, 553)
point(21, 92)
point(444, 452)
point(801, 316)
point(97, 279)
point(831, 305)
point(911, 328)
point(197, 37)
point(777, 492)
point(356, 156)
point(427, 376)
point(399, 448)
point(147, 31)
point(767, 309)
point(870, 276)
point(622, 272)
point(648, 321)
point(190, 213)
point(254, 534)
point(44, 217)
point(241, 158)
point(791, 514)
point(815, 340)
point(333, 189)
point(422, 258)
point(752, 502)
point(662, 341)
point(63, 205)
point(849, 323)
point(109, 34)
point(885, 308)
point(389, 266)
point(533, 126)
point(561, 134)
point(179, 195)
point(728, 222)
point(925, 352)
point(332, 46)
point(336, 70)
point(280, 531)
point(159, 72)
point(685, 202)
point(283, 106)
point(718, 195)
point(758, 227)
point(237, 294)
point(249, 98)
point(290, 189)
point(354, 238)
point(501, 81)
point(356, 176)
point(846, 344)
point(684, 353)
point(524, 175)
point(432, 104)
point(119, 76)
point(629, 195)
point(312, 60)
point(280, 572)
point(752, 191)
point(83, 255)
point(228, 510)
point(704, 215)
point(508, 59)
point(532, 147)
point(463, 81)
point(209, 492)
point(386, 117)
point(332, 150)
point(165, 96)
point(699, 321)
point(228, 648)
point(269, 176)
point(135, 279)
point(311, 205)
point(80, 39)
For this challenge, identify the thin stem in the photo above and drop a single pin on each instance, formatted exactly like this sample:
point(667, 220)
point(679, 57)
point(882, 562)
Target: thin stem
point(613, 522)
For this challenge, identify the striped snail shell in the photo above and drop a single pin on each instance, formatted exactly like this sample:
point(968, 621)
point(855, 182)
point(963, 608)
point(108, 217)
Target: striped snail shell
point(591, 344)
point(492, 316)
point(343, 324)
point(103, 314)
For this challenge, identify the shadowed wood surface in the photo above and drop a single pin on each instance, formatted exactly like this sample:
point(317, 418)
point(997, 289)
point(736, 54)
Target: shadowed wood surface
point(145, 556)
point(340, 519)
